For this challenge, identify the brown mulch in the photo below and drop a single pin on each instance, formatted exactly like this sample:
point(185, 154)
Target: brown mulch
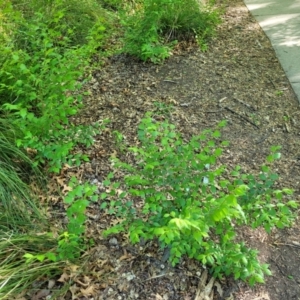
point(238, 79)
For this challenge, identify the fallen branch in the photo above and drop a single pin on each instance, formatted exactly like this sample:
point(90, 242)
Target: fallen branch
point(241, 116)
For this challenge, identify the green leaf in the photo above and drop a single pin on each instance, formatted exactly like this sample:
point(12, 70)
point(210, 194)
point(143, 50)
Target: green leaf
point(51, 256)
point(218, 152)
point(40, 257)
point(110, 175)
point(29, 257)
point(222, 123)
point(277, 155)
point(103, 205)
point(216, 134)
point(287, 191)
point(293, 204)
point(106, 182)
point(237, 275)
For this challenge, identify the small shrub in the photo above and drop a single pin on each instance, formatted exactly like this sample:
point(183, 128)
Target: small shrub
point(76, 18)
point(152, 29)
point(71, 243)
point(189, 206)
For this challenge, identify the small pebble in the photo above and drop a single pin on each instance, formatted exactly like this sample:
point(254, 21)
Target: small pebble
point(110, 291)
point(113, 241)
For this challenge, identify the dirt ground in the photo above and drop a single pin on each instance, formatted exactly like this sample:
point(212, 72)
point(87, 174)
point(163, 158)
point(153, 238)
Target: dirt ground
point(238, 79)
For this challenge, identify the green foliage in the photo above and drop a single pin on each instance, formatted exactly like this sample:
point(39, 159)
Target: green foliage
point(76, 18)
point(189, 206)
point(71, 242)
point(153, 28)
point(45, 49)
point(142, 37)
point(39, 89)
point(44, 253)
point(162, 108)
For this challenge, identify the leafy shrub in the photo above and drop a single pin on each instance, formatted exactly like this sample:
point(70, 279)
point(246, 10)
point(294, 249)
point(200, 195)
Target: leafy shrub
point(190, 21)
point(151, 30)
point(188, 204)
point(39, 90)
point(71, 243)
point(76, 18)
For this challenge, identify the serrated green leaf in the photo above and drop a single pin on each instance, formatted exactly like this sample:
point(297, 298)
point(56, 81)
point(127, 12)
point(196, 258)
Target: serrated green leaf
point(293, 204)
point(103, 205)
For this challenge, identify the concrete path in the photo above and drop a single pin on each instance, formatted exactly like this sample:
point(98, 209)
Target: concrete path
point(280, 20)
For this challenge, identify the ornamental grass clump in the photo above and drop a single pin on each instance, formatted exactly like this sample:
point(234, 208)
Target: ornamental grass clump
point(19, 206)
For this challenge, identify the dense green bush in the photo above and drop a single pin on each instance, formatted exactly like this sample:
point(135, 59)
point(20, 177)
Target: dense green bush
point(75, 18)
point(189, 205)
point(39, 89)
point(152, 28)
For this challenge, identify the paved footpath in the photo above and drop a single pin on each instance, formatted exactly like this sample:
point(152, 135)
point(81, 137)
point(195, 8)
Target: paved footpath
point(280, 20)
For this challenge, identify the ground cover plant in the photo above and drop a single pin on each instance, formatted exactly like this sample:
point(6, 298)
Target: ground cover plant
point(76, 19)
point(189, 206)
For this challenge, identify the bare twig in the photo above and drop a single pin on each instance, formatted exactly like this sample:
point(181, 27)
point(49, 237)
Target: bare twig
point(272, 83)
point(294, 244)
point(263, 139)
point(278, 267)
point(244, 103)
point(241, 116)
point(154, 277)
point(172, 81)
point(213, 111)
point(205, 291)
point(221, 100)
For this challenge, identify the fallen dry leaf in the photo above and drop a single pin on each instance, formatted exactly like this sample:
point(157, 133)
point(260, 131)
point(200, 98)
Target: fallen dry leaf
point(88, 291)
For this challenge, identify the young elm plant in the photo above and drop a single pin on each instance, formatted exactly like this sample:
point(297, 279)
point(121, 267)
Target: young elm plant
point(71, 241)
point(189, 206)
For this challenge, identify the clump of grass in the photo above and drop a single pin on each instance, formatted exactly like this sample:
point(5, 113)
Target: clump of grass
point(16, 274)
point(18, 206)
